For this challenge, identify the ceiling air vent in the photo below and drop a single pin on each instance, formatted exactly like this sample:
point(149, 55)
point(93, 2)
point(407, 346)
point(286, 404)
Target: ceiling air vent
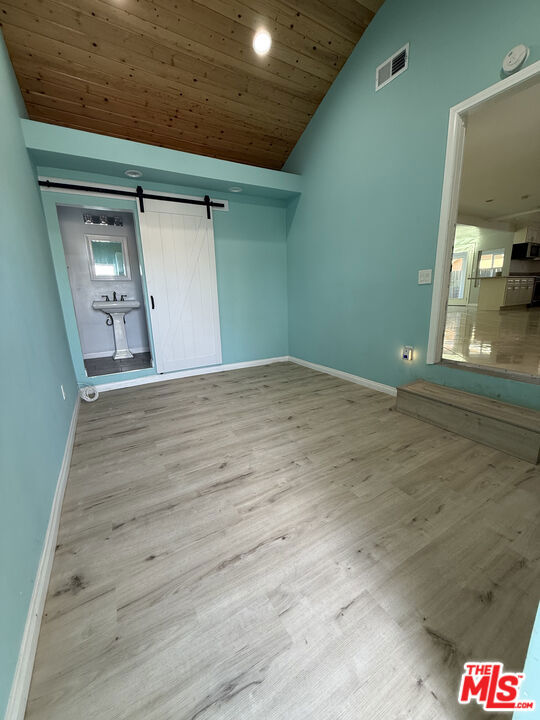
point(392, 67)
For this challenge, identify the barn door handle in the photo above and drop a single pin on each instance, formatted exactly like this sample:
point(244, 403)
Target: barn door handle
point(152, 302)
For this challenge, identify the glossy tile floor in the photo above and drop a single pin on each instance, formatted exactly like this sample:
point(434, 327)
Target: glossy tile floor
point(108, 366)
point(508, 339)
point(278, 544)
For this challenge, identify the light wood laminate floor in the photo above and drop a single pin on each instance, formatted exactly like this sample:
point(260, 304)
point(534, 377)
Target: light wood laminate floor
point(278, 544)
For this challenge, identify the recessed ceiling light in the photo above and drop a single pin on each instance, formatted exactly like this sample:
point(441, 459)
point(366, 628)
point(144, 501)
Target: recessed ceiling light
point(133, 173)
point(235, 188)
point(262, 42)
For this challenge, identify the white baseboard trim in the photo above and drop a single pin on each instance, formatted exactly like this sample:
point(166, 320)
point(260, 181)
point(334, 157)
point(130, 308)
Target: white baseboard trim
point(380, 387)
point(110, 353)
point(23, 672)
point(104, 387)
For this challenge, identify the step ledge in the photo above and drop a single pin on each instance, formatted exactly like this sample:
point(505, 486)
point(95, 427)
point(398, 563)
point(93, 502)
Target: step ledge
point(449, 397)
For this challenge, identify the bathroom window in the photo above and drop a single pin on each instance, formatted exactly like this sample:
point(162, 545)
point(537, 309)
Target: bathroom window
point(108, 257)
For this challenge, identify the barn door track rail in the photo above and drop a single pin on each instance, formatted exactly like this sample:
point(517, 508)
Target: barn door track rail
point(138, 193)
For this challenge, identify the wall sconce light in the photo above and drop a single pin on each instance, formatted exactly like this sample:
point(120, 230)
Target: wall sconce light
point(102, 220)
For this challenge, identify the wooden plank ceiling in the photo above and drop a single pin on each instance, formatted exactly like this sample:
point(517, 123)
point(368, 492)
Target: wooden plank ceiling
point(182, 73)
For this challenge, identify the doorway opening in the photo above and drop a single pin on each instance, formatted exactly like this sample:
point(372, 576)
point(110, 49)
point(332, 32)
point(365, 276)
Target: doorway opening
point(486, 300)
point(104, 270)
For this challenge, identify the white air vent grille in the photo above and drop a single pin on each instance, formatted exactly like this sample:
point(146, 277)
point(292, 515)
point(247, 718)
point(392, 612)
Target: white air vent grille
point(392, 67)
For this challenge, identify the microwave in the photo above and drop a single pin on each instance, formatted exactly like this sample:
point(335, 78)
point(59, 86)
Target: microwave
point(526, 251)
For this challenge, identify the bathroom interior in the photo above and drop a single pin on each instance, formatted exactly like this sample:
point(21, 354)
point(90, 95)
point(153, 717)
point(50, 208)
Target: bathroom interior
point(102, 261)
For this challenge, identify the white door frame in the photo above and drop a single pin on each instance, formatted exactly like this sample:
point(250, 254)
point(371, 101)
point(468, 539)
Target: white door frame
point(449, 203)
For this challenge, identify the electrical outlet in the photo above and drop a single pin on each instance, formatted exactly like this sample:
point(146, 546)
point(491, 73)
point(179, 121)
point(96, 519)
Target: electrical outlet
point(424, 277)
point(63, 391)
point(407, 353)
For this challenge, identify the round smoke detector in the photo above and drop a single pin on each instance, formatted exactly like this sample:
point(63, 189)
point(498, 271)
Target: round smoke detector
point(515, 59)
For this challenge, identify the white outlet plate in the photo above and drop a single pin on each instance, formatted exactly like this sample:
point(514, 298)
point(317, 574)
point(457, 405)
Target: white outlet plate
point(407, 353)
point(424, 277)
point(63, 391)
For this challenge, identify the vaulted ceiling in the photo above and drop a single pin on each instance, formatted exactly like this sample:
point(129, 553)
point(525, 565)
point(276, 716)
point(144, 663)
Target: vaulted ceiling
point(182, 74)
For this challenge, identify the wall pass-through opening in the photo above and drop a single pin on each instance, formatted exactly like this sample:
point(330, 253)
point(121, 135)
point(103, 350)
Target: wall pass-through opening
point(486, 300)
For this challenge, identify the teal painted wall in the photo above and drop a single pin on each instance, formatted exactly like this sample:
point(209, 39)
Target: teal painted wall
point(372, 167)
point(56, 146)
point(251, 266)
point(34, 362)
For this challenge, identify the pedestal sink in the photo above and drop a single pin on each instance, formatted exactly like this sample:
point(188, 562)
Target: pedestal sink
point(117, 309)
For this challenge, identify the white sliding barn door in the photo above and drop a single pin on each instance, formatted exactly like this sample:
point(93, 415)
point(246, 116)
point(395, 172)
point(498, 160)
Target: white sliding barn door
point(180, 263)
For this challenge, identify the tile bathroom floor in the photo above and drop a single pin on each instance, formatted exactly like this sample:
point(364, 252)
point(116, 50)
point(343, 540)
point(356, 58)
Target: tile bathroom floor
point(108, 366)
point(508, 339)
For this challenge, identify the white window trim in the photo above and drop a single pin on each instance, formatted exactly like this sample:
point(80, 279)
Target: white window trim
point(449, 203)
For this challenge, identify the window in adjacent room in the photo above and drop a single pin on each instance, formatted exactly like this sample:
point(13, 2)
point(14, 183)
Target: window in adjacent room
point(490, 263)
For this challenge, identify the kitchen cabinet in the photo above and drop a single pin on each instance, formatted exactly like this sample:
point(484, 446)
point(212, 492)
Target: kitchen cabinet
point(529, 234)
point(501, 292)
point(526, 244)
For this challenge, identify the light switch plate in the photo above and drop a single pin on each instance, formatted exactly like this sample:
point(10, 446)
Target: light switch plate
point(424, 277)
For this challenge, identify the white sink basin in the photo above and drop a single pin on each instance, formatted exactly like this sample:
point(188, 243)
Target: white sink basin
point(117, 309)
point(122, 306)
